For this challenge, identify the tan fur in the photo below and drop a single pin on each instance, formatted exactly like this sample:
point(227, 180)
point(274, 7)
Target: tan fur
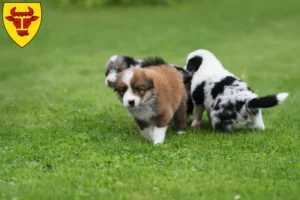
point(168, 89)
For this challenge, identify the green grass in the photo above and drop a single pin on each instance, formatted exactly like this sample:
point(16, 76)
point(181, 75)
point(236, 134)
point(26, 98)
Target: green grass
point(64, 135)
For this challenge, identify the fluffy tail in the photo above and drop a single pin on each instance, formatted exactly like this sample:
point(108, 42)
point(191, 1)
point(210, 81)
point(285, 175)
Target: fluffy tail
point(267, 101)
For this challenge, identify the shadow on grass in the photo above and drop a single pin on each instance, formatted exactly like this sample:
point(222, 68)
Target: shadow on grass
point(118, 127)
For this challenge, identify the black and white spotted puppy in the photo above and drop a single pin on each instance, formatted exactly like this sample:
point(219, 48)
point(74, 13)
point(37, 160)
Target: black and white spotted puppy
point(229, 102)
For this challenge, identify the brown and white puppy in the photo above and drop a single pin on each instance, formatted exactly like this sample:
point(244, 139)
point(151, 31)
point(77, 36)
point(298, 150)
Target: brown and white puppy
point(119, 63)
point(153, 96)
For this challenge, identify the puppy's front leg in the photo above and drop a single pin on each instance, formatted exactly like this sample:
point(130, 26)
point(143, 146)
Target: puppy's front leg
point(146, 129)
point(161, 126)
point(158, 134)
point(197, 114)
point(147, 132)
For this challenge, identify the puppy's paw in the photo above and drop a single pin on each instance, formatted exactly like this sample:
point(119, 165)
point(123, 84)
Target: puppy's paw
point(158, 135)
point(146, 133)
point(158, 142)
point(195, 123)
point(180, 132)
point(258, 127)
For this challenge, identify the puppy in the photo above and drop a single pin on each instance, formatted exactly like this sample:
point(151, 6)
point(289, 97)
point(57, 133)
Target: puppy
point(118, 63)
point(153, 95)
point(230, 103)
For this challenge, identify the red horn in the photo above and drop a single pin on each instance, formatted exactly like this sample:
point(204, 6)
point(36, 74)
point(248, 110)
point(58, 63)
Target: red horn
point(12, 11)
point(30, 13)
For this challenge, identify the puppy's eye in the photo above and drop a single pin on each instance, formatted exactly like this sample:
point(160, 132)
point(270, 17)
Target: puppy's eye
point(140, 91)
point(119, 70)
point(121, 91)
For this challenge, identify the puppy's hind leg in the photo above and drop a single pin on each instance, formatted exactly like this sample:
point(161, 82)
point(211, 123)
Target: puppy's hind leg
point(180, 118)
point(258, 122)
point(197, 114)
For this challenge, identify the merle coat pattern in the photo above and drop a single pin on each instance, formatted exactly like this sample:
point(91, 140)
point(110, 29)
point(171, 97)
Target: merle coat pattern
point(229, 102)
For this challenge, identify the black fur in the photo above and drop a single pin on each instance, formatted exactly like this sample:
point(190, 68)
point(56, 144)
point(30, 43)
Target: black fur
point(220, 86)
point(223, 126)
point(228, 106)
point(149, 84)
point(198, 94)
point(194, 64)
point(227, 115)
point(263, 102)
point(253, 111)
point(153, 61)
point(239, 104)
point(217, 107)
point(129, 61)
point(187, 78)
point(190, 105)
point(249, 89)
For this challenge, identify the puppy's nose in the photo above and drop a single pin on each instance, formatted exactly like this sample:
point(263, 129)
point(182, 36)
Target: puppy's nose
point(109, 82)
point(131, 103)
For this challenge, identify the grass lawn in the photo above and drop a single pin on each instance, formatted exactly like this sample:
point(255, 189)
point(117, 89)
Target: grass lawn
point(64, 134)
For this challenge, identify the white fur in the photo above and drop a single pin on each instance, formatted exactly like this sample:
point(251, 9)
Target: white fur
point(180, 132)
point(129, 95)
point(127, 77)
point(112, 76)
point(281, 97)
point(211, 68)
point(113, 58)
point(257, 122)
point(158, 135)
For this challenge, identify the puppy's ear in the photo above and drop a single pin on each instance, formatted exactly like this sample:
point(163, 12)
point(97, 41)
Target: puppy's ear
point(130, 61)
point(194, 64)
point(149, 84)
point(106, 72)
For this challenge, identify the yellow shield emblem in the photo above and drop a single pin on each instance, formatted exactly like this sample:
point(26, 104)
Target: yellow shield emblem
point(22, 21)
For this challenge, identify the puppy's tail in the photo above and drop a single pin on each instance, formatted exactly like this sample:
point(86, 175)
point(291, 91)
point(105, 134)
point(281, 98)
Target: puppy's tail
point(267, 101)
